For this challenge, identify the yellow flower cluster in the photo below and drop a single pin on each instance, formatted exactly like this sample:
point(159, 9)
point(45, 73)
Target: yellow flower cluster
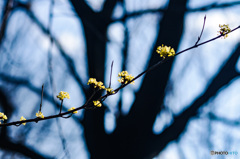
point(39, 114)
point(109, 90)
point(22, 119)
point(96, 84)
point(2, 117)
point(125, 78)
point(224, 30)
point(72, 108)
point(97, 103)
point(93, 81)
point(165, 51)
point(63, 95)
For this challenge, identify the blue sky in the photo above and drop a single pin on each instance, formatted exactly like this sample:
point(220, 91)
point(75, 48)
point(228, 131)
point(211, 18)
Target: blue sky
point(191, 74)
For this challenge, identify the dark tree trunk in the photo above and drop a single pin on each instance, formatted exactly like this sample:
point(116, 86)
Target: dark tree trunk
point(133, 133)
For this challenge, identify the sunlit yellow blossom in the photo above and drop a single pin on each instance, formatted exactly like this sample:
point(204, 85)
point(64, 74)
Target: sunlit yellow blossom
point(97, 103)
point(2, 117)
point(109, 90)
point(224, 30)
point(99, 85)
point(39, 114)
point(95, 83)
point(92, 81)
point(63, 95)
point(125, 77)
point(165, 51)
point(22, 119)
point(122, 74)
point(75, 112)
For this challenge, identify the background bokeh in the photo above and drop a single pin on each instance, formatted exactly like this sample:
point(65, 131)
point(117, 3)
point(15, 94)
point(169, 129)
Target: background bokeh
point(186, 108)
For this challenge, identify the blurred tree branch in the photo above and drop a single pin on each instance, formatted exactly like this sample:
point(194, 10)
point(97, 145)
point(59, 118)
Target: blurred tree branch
point(223, 78)
point(214, 6)
point(163, 10)
point(7, 11)
point(216, 118)
point(24, 82)
point(69, 60)
point(7, 143)
point(95, 27)
point(103, 97)
point(133, 134)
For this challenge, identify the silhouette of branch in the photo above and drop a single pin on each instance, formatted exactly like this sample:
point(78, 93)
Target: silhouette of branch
point(226, 74)
point(41, 99)
point(20, 148)
point(36, 120)
point(63, 139)
point(138, 13)
point(6, 14)
point(50, 67)
point(205, 42)
point(124, 52)
point(82, 9)
point(214, 6)
point(108, 9)
point(166, 59)
point(7, 107)
point(24, 82)
point(110, 80)
point(224, 120)
point(88, 104)
point(162, 10)
point(201, 31)
point(69, 60)
point(6, 143)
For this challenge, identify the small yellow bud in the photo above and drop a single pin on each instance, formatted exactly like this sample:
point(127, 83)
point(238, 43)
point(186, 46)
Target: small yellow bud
point(72, 108)
point(95, 83)
point(22, 119)
point(97, 103)
point(109, 90)
point(165, 51)
point(63, 95)
point(224, 30)
point(39, 114)
point(2, 117)
point(125, 77)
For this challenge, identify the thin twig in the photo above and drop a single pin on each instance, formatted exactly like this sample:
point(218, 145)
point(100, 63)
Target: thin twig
point(164, 60)
point(61, 107)
point(41, 99)
point(111, 75)
point(67, 116)
point(87, 104)
point(95, 91)
point(9, 6)
point(205, 42)
point(45, 118)
point(201, 31)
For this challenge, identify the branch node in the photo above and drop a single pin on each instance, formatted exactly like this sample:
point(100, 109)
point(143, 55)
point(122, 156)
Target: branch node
point(66, 116)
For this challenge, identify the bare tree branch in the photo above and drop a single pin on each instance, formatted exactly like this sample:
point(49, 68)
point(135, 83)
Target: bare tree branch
point(214, 6)
point(69, 60)
point(222, 79)
point(214, 117)
point(27, 84)
point(162, 10)
point(6, 144)
point(6, 14)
